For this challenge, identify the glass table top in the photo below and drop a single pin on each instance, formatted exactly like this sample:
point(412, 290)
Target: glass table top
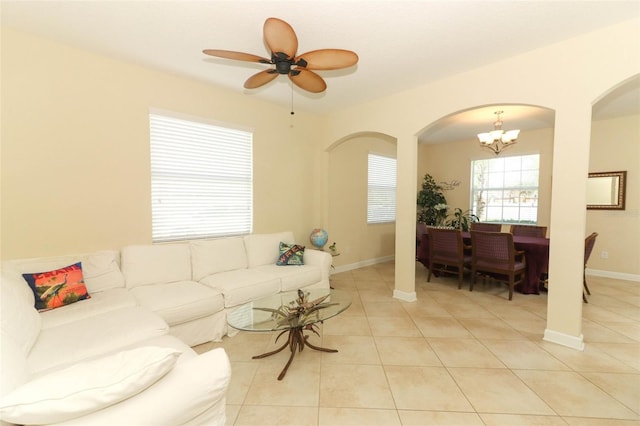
point(283, 311)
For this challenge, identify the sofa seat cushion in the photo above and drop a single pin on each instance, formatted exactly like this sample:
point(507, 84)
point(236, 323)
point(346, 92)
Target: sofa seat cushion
point(243, 285)
point(66, 344)
point(293, 277)
point(104, 301)
point(14, 370)
point(181, 301)
point(88, 386)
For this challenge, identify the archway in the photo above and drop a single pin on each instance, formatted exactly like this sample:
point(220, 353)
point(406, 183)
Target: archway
point(359, 243)
point(615, 131)
point(448, 146)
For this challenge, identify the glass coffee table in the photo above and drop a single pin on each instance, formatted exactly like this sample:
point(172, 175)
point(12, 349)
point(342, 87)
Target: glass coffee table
point(290, 312)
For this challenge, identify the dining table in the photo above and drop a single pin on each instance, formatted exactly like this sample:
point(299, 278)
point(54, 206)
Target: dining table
point(536, 252)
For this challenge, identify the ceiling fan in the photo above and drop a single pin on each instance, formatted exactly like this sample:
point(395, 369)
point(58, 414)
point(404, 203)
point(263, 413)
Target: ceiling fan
point(283, 44)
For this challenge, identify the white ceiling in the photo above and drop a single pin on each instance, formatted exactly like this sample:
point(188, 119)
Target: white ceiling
point(401, 44)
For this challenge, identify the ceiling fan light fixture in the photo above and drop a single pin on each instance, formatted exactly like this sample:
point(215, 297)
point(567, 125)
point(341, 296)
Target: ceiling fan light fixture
point(496, 140)
point(282, 42)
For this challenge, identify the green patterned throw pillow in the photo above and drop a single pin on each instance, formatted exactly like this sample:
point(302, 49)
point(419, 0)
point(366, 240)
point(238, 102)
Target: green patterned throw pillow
point(290, 254)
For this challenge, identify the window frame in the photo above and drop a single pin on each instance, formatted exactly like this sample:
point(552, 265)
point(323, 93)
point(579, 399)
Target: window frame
point(514, 188)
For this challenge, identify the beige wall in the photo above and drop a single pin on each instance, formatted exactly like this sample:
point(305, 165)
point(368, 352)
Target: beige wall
point(356, 240)
point(452, 161)
point(615, 146)
point(75, 150)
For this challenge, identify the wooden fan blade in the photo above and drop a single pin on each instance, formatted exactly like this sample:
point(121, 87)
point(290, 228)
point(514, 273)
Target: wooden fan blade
point(328, 59)
point(280, 37)
point(307, 80)
point(238, 56)
point(260, 79)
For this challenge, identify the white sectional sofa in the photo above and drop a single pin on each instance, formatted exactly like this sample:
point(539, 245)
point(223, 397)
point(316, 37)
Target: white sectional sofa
point(123, 356)
point(193, 285)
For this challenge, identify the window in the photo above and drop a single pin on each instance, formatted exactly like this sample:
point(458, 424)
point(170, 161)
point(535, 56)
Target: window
point(505, 190)
point(201, 179)
point(381, 199)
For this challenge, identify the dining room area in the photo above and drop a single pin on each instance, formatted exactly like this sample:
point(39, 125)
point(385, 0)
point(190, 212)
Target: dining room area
point(519, 257)
point(516, 254)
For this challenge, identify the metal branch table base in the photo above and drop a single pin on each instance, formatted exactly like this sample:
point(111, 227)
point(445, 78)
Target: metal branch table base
point(297, 341)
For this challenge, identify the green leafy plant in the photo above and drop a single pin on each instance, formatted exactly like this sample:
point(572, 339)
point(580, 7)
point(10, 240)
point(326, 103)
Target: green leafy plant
point(429, 197)
point(461, 219)
point(432, 204)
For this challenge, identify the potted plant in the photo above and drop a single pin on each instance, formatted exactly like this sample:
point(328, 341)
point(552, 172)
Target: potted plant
point(432, 204)
point(461, 219)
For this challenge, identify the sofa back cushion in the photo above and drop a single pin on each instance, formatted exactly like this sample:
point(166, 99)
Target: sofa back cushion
point(101, 269)
point(213, 256)
point(264, 249)
point(156, 264)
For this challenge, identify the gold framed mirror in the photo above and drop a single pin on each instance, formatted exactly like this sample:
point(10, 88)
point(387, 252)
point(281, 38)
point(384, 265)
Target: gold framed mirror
point(606, 190)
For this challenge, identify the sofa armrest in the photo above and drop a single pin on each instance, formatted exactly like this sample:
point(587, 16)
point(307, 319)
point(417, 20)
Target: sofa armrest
point(193, 387)
point(319, 258)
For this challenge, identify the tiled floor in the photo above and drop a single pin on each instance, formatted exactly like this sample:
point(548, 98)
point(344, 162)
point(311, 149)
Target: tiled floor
point(454, 357)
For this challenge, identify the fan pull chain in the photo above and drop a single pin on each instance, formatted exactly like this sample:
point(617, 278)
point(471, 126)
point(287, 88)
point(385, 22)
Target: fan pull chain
point(292, 113)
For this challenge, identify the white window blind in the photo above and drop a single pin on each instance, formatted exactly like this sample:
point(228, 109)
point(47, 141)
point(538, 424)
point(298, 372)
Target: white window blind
point(201, 179)
point(505, 189)
point(381, 199)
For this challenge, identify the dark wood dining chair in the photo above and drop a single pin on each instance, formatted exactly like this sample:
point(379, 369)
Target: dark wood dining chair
point(446, 251)
point(486, 227)
point(529, 230)
point(589, 242)
point(421, 229)
point(493, 254)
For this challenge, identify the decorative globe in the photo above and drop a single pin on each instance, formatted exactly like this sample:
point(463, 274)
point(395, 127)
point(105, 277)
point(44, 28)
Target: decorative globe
point(319, 238)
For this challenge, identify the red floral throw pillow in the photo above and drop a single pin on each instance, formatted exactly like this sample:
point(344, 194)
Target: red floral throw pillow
point(57, 288)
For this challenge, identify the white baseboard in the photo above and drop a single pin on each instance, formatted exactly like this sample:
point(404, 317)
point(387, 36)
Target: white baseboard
point(612, 274)
point(397, 294)
point(369, 262)
point(404, 296)
point(573, 342)
point(594, 272)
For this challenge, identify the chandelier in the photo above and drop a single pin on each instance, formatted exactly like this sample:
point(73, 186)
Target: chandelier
point(497, 139)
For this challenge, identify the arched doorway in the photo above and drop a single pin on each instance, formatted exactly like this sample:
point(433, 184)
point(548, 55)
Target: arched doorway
point(615, 132)
point(359, 243)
